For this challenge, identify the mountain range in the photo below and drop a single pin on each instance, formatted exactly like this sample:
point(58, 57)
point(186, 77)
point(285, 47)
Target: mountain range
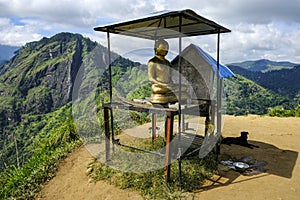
point(264, 65)
point(282, 79)
point(41, 76)
point(40, 80)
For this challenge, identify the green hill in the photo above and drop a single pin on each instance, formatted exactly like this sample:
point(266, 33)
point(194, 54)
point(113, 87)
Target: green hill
point(37, 129)
point(36, 81)
point(244, 96)
point(284, 82)
point(46, 75)
point(264, 65)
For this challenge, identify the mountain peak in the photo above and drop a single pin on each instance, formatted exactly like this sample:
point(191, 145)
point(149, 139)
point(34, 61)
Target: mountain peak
point(42, 73)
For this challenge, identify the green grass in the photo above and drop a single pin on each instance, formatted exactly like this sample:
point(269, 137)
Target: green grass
point(56, 137)
point(280, 112)
point(24, 183)
point(152, 184)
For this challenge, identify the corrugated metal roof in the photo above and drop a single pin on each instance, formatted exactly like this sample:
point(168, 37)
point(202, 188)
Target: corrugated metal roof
point(165, 24)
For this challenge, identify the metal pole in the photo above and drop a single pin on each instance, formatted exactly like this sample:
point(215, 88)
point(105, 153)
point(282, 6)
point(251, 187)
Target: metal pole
point(219, 95)
point(179, 111)
point(109, 66)
point(110, 87)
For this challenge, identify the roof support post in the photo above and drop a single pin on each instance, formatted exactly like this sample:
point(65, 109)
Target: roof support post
point(219, 94)
point(109, 66)
point(110, 86)
point(179, 110)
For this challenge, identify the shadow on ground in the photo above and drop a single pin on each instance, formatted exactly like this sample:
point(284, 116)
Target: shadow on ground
point(280, 162)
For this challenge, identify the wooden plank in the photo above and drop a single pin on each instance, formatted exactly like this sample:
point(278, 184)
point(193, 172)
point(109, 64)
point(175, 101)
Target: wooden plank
point(107, 134)
point(169, 134)
point(153, 131)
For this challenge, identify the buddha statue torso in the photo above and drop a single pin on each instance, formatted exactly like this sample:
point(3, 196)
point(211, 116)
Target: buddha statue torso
point(159, 73)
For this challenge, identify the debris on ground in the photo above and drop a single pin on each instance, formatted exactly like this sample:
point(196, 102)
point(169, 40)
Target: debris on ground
point(246, 165)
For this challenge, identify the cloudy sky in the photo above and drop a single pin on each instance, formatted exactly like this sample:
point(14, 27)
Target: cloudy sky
point(261, 29)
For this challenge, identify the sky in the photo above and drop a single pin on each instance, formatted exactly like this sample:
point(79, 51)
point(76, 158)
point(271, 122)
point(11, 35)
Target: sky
point(260, 29)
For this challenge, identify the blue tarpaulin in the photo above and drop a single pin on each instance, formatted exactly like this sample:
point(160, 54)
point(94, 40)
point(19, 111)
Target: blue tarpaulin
point(225, 72)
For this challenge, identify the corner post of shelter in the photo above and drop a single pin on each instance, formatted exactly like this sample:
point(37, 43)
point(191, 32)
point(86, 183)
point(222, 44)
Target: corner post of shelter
point(180, 117)
point(219, 96)
point(110, 86)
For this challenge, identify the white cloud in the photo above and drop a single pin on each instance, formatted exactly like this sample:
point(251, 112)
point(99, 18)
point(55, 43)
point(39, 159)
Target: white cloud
point(4, 22)
point(260, 41)
point(16, 35)
point(260, 28)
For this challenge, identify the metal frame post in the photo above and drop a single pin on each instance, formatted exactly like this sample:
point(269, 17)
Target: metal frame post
point(110, 87)
point(179, 110)
point(219, 96)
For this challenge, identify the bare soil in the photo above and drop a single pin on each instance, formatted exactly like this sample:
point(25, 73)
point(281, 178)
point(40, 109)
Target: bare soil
point(278, 140)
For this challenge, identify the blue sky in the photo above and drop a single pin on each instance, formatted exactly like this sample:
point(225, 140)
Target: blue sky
point(261, 29)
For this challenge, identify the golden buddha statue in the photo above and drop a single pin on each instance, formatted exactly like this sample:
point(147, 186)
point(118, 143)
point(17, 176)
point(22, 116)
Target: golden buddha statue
point(159, 72)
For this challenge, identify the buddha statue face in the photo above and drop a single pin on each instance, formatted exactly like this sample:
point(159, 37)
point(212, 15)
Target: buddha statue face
point(161, 47)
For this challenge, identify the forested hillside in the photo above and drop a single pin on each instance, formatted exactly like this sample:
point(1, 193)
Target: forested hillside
point(37, 87)
point(36, 81)
point(284, 82)
point(243, 96)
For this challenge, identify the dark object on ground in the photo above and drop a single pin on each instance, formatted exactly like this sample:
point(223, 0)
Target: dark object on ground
point(242, 140)
point(248, 166)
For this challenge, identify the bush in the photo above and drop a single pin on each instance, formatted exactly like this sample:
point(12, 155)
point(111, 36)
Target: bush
point(280, 112)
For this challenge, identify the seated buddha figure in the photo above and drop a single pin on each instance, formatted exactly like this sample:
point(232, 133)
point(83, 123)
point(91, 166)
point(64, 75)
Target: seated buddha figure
point(159, 73)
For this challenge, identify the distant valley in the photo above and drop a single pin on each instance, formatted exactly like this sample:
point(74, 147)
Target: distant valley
point(282, 78)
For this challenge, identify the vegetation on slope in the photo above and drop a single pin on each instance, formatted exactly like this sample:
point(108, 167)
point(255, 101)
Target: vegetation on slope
point(284, 82)
point(56, 136)
point(37, 80)
point(279, 111)
point(243, 97)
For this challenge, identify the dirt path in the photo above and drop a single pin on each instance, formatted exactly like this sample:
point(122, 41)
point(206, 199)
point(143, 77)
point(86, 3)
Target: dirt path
point(278, 139)
point(71, 182)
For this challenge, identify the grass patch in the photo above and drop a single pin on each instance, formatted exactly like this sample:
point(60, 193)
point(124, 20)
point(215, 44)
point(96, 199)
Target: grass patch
point(152, 184)
point(56, 137)
point(24, 183)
